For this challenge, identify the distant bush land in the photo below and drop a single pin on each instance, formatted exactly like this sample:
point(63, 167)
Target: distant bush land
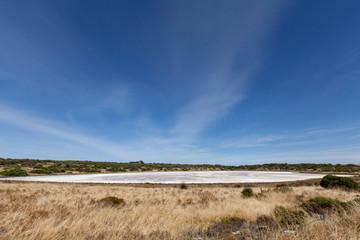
point(52, 166)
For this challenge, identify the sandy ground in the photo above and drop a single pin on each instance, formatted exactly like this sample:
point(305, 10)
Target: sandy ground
point(175, 177)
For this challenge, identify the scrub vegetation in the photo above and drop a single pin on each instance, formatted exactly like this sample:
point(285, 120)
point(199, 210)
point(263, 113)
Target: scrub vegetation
point(330, 181)
point(111, 211)
point(39, 167)
point(14, 172)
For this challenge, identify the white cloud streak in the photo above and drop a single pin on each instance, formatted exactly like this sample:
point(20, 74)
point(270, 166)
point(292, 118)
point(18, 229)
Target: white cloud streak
point(252, 142)
point(304, 137)
point(226, 65)
point(326, 131)
point(149, 149)
point(202, 111)
point(41, 125)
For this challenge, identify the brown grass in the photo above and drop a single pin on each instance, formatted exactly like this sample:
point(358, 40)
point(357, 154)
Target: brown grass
point(69, 211)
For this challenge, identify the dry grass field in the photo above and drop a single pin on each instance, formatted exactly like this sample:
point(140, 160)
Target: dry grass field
point(73, 211)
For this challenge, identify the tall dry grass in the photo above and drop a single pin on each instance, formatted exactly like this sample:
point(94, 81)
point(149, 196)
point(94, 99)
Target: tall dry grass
point(70, 211)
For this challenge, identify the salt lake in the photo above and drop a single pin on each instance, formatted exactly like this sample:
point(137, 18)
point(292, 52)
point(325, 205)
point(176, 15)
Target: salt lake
point(175, 177)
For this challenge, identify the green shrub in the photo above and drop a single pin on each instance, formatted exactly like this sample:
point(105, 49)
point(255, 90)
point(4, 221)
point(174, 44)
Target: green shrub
point(112, 169)
point(322, 205)
point(287, 217)
point(331, 181)
point(112, 201)
point(14, 172)
point(92, 170)
point(55, 169)
point(41, 171)
point(247, 192)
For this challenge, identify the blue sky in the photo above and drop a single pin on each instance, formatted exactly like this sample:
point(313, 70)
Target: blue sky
point(228, 82)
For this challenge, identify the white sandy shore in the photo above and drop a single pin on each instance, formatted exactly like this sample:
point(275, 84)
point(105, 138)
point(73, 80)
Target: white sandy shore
point(175, 177)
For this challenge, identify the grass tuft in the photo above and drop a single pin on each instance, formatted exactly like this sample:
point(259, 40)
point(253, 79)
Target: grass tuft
point(112, 201)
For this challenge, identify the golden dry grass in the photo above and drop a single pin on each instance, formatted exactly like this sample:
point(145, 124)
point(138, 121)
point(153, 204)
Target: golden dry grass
point(69, 211)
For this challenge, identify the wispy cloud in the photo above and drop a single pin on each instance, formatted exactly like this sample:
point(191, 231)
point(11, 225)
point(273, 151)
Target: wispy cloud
point(312, 136)
point(252, 142)
point(39, 125)
point(115, 98)
point(202, 111)
point(224, 67)
point(326, 131)
point(150, 148)
point(347, 154)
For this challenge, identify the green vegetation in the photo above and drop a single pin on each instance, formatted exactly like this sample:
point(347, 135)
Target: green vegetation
point(288, 217)
point(247, 192)
point(41, 171)
point(323, 205)
point(331, 181)
point(14, 172)
point(51, 166)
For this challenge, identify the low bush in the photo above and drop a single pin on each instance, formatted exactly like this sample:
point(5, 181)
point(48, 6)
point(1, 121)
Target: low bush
point(322, 205)
point(14, 172)
point(112, 201)
point(288, 217)
point(331, 181)
point(55, 169)
point(41, 171)
point(247, 192)
point(237, 228)
point(268, 222)
point(113, 169)
point(91, 170)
